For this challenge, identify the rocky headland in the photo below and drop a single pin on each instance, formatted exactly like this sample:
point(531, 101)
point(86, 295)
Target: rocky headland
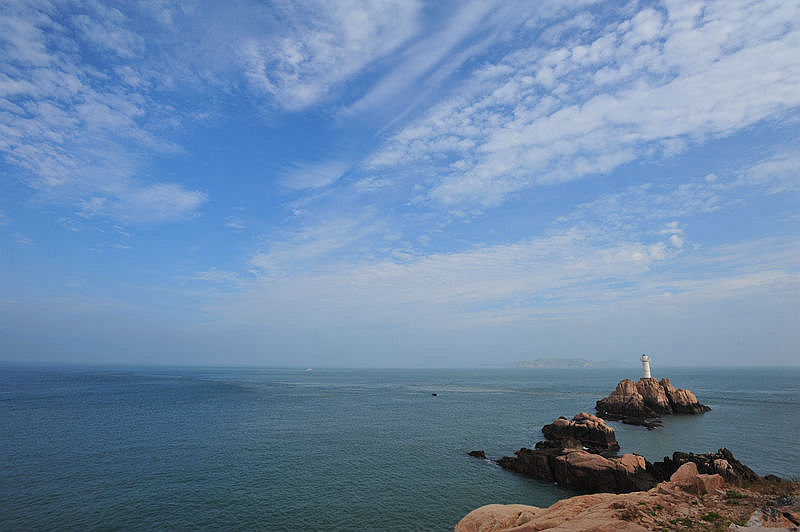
point(636, 402)
point(688, 500)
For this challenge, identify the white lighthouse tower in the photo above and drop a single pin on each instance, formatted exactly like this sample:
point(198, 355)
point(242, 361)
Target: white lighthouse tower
point(646, 366)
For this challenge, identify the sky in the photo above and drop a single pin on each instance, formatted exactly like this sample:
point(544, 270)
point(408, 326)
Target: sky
point(399, 183)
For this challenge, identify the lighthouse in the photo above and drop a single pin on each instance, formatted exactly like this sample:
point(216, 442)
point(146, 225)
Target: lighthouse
point(646, 366)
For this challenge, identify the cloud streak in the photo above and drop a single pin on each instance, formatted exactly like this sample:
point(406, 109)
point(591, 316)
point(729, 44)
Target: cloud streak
point(74, 129)
point(654, 84)
point(323, 44)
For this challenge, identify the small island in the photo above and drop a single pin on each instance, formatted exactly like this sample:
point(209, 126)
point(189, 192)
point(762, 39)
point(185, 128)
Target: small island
point(637, 402)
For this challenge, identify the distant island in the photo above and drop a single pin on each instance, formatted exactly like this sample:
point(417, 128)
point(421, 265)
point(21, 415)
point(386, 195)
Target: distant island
point(558, 363)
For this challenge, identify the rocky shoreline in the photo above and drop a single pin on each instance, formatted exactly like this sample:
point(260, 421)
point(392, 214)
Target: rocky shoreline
point(580, 454)
point(689, 500)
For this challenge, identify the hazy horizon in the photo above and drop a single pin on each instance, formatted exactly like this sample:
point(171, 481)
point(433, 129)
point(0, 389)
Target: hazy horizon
point(400, 183)
point(634, 367)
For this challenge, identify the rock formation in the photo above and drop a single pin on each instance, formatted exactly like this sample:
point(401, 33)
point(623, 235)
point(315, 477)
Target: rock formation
point(720, 463)
point(585, 471)
point(689, 500)
point(633, 402)
point(570, 457)
point(588, 430)
point(582, 470)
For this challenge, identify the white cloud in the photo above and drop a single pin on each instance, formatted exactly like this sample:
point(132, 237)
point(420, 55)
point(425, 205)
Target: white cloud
point(558, 277)
point(308, 247)
point(321, 44)
point(22, 239)
point(313, 175)
point(428, 53)
point(106, 31)
point(235, 223)
point(214, 275)
point(672, 78)
point(776, 174)
point(147, 204)
point(75, 131)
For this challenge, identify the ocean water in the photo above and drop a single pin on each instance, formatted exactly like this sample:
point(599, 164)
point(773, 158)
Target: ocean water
point(281, 449)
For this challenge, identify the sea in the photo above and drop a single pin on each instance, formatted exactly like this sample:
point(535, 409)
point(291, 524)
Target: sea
point(89, 447)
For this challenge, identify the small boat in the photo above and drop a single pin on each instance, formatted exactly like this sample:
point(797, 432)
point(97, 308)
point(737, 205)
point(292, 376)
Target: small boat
point(309, 369)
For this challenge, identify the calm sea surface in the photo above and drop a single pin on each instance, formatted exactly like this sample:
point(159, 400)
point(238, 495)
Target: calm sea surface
point(278, 449)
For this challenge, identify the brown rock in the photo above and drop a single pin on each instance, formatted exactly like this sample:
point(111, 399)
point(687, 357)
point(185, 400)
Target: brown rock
point(591, 431)
point(579, 514)
point(493, 517)
point(655, 398)
point(625, 401)
point(668, 506)
point(648, 398)
point(582, 470)
point(685, 474)
point(722, 463)
point(709, 483)
point(682, 401)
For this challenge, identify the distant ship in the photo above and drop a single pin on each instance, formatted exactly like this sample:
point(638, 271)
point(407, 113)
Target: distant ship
point(309, 369)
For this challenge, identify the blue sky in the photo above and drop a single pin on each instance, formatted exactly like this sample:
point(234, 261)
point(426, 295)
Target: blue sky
point(399, 182)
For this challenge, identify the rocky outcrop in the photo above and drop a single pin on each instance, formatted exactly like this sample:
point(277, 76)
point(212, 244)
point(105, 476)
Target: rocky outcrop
point(582, 470)
point(633, 402)
point(585, 471)
point(682, 401)
point(721, 463)
point(570, 457)
point(585, 429)
point(689, 500)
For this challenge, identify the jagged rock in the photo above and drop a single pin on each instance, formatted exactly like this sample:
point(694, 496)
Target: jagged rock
point(584, 430)
point(477, 454)
point(634, 402)
point(682, 401)
point(721, 463)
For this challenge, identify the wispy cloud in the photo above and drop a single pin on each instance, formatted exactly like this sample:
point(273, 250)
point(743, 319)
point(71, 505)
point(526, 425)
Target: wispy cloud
point(306, 248)
point(654, 84)
point(313, 175)
point(73, 129)
point(22, 239)
point(322, 44)
point(777, 174)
